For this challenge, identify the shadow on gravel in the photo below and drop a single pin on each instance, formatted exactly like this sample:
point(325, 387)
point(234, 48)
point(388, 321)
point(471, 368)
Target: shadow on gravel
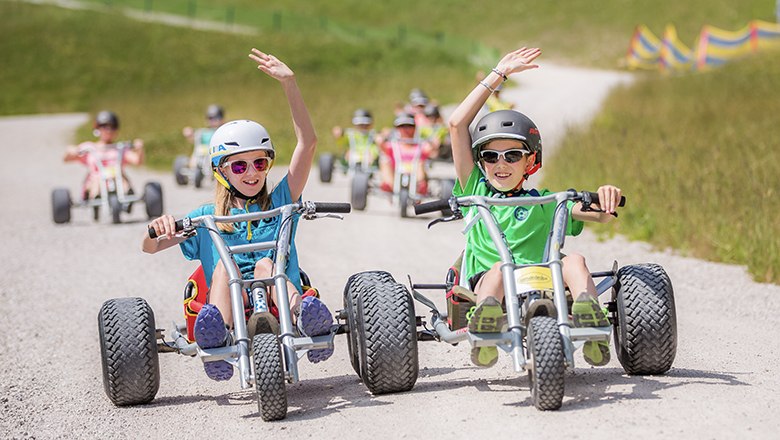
point(604, 386)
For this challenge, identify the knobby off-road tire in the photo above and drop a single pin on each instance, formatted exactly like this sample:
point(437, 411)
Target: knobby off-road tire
point(326, 167)
point(60, 205)
point(179, 164)
point(269, 377)
point(546, 375)
point(388, 338)
point(359, 194)
point(646, 325)
point(355, 284)
point(128, 351)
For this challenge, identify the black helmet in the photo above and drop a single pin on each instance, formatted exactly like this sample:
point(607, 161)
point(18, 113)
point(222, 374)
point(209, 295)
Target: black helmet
point(106, 117)
point(362, 116)
point(404, 119)
point(508, 124)
point(432, 111)
point(215, 111)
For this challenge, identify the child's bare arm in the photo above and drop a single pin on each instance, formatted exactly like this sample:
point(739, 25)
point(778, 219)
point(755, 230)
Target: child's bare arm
point(513, 62)
point(165, 227)
point(609, 198)
point(300, 163)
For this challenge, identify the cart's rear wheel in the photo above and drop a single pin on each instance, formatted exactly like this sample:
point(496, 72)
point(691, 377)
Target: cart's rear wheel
point(179, 165)
point(269, 377)
point(60, 205)
point(545, 349)
point(128, 351)
point(356, 284)
point(646, 325)
point(387, 338)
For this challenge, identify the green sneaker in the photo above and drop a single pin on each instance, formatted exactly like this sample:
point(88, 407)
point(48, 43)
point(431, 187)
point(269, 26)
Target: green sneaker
point(587, 312)
point(596, 353)
point(487, 317)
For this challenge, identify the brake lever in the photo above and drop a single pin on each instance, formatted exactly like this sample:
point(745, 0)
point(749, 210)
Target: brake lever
point(318, 216)
point(451, 218)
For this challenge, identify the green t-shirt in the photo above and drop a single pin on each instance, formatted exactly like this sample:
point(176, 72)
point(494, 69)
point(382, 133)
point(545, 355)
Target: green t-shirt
point(526, 227)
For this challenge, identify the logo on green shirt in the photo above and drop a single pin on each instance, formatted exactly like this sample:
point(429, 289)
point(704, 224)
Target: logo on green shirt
point(521, 213)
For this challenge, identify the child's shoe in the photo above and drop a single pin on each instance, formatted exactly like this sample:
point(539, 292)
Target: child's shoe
point(210, 332)
point(386, 187)
point(487, 317)
point(422, 187)
point(587, 312)
point(315, 320)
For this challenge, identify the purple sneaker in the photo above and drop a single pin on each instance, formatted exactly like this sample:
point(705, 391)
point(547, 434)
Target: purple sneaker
point(315, 320)
point(210, 332)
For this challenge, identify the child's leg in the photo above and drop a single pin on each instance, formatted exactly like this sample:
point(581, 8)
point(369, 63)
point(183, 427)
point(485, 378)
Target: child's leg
point(386, 173)
point(586, 310)
point(264, 269)
point(219, 293)
point(487, 316)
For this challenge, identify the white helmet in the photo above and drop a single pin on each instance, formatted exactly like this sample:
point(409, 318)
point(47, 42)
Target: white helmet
point(236, 137)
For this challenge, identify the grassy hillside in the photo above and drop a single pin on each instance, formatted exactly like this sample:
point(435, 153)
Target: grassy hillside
point(594, 33)
point(159, 78)
point(698, 159)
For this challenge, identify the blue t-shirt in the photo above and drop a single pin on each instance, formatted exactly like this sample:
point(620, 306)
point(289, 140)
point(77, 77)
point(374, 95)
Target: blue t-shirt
point(200, 246)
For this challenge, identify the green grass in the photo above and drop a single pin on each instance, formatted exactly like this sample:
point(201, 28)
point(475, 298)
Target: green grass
point(160, 79)
point(698, 159)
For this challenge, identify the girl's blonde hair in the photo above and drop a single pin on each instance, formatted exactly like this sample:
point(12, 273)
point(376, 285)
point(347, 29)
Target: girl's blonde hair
point(224, 200)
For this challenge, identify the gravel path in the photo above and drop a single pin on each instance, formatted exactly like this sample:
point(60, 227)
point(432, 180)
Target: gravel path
point(723, 383)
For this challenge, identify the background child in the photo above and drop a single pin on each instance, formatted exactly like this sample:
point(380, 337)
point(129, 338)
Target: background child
point(106, 129)
point(242, 154)
point(505, 149)
point(360, 141)
point(401, 147)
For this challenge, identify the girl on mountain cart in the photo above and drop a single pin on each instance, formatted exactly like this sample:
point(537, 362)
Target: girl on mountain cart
point(242, 154)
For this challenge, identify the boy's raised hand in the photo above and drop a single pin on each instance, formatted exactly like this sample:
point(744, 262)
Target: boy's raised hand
point(271, 65)
point(518, 60)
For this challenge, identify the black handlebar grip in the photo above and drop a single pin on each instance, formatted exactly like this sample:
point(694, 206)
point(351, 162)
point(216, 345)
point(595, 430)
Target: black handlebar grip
point(595, 198)
point(337, 208)
point(436, 205)
point(179, 228)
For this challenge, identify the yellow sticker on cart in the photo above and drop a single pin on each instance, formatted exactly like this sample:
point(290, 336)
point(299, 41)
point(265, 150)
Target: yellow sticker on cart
point(528, 279)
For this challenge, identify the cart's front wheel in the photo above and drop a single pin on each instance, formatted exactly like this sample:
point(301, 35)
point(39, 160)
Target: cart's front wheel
point(359, 196)
point(546, 374)
point(115, 207)
point(128, 351)
point(403, 202)
point(326, 167)
point(60, 204)
point(179, 164)
point(646, 325)
point(269, 377)
point(153, 199)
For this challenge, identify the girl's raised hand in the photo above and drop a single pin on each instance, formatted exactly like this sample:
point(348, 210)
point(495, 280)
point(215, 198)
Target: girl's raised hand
point(271, 65)
point(519, 60)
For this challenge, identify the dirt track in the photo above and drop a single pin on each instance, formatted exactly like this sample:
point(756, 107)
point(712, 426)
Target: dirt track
point(723, 383)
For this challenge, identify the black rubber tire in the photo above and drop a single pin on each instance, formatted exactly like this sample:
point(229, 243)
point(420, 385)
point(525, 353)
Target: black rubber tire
point(128, 351)
point(269, 377)
point(403, 202)
point(60, 205)
point(198, 178)
point(115, 207)
point(548, 367)
point(153, 199)
point(356, 284)
point(359, 195)
point(447, 185)
point(179, 164)
point(387, 330)
point(646, 326)
point(326, 167)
